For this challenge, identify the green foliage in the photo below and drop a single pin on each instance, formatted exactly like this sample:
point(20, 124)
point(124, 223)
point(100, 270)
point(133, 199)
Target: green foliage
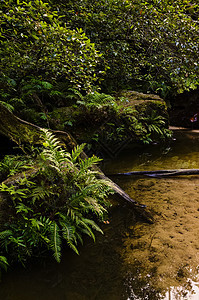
point(3, 264)
point(148, 45)
point(12, 164)
point(154, 122)
point(97, 100)
point(35, 41)
point(55, 240)
point(155, 125)
point(58, 204)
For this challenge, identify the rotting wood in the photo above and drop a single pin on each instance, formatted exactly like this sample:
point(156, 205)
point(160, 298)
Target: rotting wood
point(23, 132)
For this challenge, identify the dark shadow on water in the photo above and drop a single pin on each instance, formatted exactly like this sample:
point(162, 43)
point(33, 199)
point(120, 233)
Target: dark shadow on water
point(95, 274)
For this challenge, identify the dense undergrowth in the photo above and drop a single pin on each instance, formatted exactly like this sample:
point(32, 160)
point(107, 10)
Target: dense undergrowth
point(59, 203)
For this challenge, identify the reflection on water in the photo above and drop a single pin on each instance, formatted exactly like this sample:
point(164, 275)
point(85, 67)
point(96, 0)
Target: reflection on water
point(133, 260)
point(182, 152)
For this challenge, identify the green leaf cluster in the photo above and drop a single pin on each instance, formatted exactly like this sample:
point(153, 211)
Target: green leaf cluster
point(35, 42)
point(59, 204)
point(148, 45)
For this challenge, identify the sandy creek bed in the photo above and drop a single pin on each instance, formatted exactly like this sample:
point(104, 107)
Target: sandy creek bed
point(167, 252)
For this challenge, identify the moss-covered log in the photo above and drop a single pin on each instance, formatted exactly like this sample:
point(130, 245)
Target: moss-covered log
point(23, 132)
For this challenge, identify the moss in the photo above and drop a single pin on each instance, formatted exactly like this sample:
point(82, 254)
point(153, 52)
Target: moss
point(18, 130)
point(145, 104)
point(136, 97)
point(63, 117)
point(104, 124)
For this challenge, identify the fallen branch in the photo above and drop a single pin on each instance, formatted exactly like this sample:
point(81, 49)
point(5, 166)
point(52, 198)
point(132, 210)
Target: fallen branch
point(161, 173)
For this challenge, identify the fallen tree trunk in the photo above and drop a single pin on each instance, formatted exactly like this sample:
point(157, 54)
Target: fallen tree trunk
point(161, 173)
point(22, 132)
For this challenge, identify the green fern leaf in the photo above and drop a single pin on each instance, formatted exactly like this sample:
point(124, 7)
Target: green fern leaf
point(85, 228)
point(76, 152)
point(55, 241)
point(68, 232)
point(5, 234)
point(89, 162)
point(3, 263)
point(93, 225)
point(79, 237)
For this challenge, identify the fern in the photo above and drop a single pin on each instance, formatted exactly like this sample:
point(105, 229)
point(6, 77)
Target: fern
point(5, 234)
point(84, 228)
point(92, 224)
point(3, 263)
point(69, 235)
point(88, 163)
point(94, 206)
point(55, 241)
point(73, 93)
point(56, 204)
point(50, 140)
point(40, 192)
point(53, 152)
point(5, 237)
point(7, 105)
point(97, 100)
point(76, 152)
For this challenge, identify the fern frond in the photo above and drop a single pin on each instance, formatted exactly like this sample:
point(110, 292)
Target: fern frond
point(5, 234)
point(92, 224)
point(68, 233)
point(55, 241)
point(79, 237)
point(89, 162)
point(95, 206)
point(5, 238)
point(76, 152)
point(7, 105)
point(50, 139)
point(75, 92)
point(45, 221)
point(84, 227)
point(88, 232)
point(3, 263)
point(74, 200)
point(93, 187)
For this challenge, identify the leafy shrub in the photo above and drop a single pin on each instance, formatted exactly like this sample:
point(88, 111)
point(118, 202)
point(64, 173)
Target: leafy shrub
point(148, 45)
point(35, 41)
point(59, 203)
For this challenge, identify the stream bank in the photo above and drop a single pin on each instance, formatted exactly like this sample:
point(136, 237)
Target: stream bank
point(133, 260)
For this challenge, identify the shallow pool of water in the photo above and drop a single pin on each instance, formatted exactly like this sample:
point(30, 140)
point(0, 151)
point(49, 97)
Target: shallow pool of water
point(133, 259)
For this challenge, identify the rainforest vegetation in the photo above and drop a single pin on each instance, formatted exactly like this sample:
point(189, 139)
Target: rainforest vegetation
point(76, 57)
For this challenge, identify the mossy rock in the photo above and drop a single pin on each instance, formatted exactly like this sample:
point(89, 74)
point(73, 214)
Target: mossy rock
point(135, 98)
point(81, 121)
point(145, 104)
point(109, 124)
